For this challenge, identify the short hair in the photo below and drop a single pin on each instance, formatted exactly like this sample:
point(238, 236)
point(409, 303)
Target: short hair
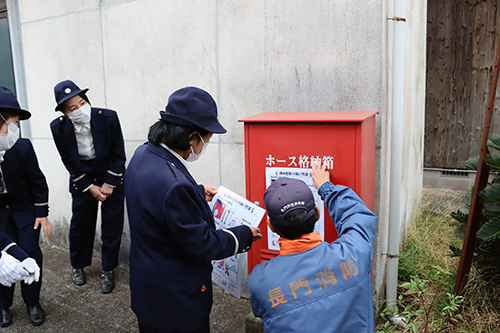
point(8, 114)
point(82, 95)
point(297, 230)
point(173, 135)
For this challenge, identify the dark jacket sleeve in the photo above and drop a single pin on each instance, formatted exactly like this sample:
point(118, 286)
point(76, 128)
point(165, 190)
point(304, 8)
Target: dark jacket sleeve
point(117, 158)
point(193, 234)
point(11, 248)
point(38, 184)
point(61, 128)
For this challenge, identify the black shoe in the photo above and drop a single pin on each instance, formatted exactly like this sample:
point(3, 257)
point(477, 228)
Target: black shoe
point(7, 318)
point(79, 276)
point(108, 282)
point(37, 315)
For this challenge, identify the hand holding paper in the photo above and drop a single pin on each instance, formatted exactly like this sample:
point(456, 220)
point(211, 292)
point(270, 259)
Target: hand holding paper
point(232, 210)
point(256, 233)
point(210, 191)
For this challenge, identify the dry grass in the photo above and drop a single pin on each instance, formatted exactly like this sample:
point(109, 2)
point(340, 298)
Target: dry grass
point(430, 234)
point(481, 310)
point(427, 246)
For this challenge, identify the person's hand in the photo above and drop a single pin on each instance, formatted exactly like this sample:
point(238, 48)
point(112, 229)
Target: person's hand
point(47, 226)
point(256, 233)
point(320, 175)
point(106, 190)
point(30, 266)
point(97, 193)
point(11, 270)
point(210, 191)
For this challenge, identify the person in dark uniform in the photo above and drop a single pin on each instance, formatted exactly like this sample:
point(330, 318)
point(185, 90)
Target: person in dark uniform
point(24, 206)
point(15, 265)
point(173, 235)
point(90, 143)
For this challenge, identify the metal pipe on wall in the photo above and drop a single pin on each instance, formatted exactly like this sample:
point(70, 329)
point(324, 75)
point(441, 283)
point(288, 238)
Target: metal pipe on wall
point(16, 42)
point(398, 75)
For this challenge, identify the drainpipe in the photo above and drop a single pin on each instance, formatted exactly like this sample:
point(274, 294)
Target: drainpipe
point(398, 75)
point(16, 42)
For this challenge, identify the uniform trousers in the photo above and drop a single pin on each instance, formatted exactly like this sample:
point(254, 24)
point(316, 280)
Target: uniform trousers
point(83, 225)
point(27, 238)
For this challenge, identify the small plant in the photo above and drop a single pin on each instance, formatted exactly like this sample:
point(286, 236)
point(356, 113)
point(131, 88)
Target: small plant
point(419, 309)
point(487, 247)
point(407, 315)
point(451, 311)
point(490, 219)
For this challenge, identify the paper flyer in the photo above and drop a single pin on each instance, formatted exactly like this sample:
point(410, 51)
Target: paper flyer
point(231, 210)
point(305, 175)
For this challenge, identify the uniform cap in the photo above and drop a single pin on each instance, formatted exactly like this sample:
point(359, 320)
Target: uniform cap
point(285, 195)
point(8, 102)
point(193, 107)
point(64, 90)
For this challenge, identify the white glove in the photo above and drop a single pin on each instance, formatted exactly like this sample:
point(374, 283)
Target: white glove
point(29, 264)
point(10, 270)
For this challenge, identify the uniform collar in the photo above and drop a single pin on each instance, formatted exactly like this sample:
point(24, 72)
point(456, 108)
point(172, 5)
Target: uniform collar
point(301, 244)
point(95, 122)
point(171, 158)
point(173, 152)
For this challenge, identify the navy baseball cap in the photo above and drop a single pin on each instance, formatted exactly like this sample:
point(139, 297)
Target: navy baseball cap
point(64, 90)
point(193, 107)
point(8, 102)
point(285, 195)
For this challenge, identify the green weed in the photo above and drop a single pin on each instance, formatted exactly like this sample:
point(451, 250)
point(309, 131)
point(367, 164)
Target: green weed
point(427, 275)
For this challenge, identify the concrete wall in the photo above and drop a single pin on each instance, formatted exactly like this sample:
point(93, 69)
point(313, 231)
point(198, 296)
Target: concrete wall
point(252, 56)
point(457, 180)
point(414, 119)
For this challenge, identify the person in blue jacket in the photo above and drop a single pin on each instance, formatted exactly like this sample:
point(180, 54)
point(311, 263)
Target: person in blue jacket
point(90, 143)
point(314, 286)
point(173, 235)
point(24, 206)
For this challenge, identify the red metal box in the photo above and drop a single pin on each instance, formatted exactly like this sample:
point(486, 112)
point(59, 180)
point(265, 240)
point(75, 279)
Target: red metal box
point(288, 143)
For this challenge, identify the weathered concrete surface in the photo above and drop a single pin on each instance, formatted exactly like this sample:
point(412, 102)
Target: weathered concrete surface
point(70, 308)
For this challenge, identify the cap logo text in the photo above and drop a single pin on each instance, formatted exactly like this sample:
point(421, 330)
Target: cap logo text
point(292, 204)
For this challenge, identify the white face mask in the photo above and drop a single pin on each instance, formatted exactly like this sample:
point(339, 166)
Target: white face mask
point(9, 139)
point(80, 116)
point(192, 156)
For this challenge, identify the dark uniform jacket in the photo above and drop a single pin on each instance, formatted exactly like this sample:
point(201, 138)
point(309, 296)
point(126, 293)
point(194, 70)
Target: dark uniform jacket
point(28, 194)
point(7, 245)
point(173, 240)
point(108, 166)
